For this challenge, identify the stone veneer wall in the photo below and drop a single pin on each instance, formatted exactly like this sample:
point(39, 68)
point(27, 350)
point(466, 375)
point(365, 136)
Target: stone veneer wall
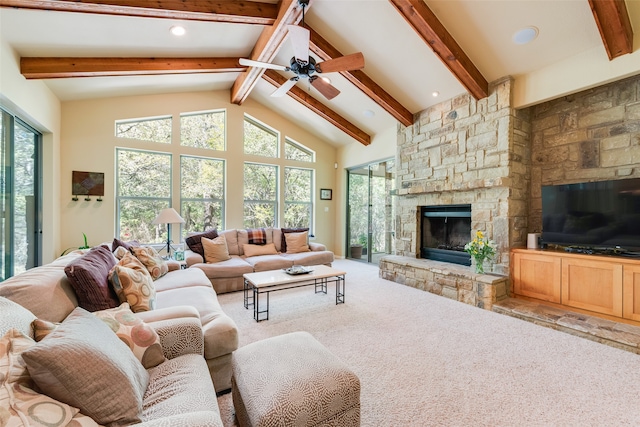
point(593, 135)
point(464, 151)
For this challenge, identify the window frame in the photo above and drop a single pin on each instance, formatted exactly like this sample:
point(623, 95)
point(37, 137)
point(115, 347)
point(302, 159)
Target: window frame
point(265, 127)
point(197, 113)
point(276, 202)
point(118, 197)
point(145, 119)
point(310, 203)
point(299, 146)
point(204, 200)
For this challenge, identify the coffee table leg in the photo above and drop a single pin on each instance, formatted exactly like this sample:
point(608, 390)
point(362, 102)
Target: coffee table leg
point(247, 296)
point(256, 307)
point(340, 289)
point(320, 285)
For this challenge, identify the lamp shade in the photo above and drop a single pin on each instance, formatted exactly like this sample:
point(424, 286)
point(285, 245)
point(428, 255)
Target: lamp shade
point(168, 216)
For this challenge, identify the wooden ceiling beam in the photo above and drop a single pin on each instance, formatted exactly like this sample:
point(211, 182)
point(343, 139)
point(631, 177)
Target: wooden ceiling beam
point(319, 108)
point(427, 25)
point(55, 68)
point(266, 48)
point(242, 12)
point(614, 25)
point(325, 51)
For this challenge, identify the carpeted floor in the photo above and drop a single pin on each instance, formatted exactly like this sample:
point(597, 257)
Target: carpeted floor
point(424, 360)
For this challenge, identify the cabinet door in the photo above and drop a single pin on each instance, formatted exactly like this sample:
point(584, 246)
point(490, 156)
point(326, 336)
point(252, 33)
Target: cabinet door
point(631, 289)
point(592, 285)
point(537, 276)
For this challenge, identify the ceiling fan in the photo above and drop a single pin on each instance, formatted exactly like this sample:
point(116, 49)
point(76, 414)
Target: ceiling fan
point(305, 66)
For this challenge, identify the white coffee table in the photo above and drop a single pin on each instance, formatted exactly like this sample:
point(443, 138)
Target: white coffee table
point(264, 282)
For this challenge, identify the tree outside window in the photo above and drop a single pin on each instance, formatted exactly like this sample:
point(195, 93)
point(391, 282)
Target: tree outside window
point(202, 193)
point(296, 151)
point(298, 197)
point(259, 139)
point(203, 130)
point(260, 195)
point(157, 129)
point(143, 188)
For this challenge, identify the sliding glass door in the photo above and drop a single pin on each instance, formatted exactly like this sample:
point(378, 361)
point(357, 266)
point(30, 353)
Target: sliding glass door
point(20, 202)
point(370, 211)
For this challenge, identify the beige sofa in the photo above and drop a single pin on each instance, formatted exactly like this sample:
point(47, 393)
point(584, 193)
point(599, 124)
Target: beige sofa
point(226, 276)
point(46, 292)
point(176, 392)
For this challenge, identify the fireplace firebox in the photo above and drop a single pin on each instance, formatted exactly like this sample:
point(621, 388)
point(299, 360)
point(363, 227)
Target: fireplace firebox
point(445, 230)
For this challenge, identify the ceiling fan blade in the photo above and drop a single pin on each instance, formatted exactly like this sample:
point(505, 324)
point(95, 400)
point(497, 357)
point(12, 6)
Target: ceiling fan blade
point(300, 42)
point(285, 87)
point(326, 89)
point(251, 63)
point(355, 61)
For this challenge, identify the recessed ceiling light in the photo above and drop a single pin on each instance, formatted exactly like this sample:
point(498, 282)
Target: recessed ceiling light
point(525, 35)
point(434, 94)
point(326, 79)
point(177, 30)
point(368, 113)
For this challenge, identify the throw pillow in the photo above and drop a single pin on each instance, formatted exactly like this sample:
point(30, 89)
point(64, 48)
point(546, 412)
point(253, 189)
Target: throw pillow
point(141, 338)
point(215, 250)
point(194, 241)
point(84, 364)
point(297, 242)
point(257, 236)
point(133, 284)
point(117, 243)
point(254, 250)
point(23, 405)
point(88, 275)
point(150, 258)
point(120, 251)
point(283, 242)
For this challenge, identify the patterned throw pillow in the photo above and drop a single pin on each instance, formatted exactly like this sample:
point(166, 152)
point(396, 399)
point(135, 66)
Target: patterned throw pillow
point(20, 403)
point(195, 244)
point(120, 251)
point(283, 242)
point(84, 364)
point(141, 338)
point(297, 242)
point(215, 250)
point(150, 258)
point(257, 236)
point(88, 275)
point(133, 284)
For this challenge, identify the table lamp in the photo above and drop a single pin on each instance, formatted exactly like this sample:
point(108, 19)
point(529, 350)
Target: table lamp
point(168, 216)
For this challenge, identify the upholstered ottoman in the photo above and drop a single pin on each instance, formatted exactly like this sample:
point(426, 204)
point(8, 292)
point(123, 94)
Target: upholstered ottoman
point(293, 380)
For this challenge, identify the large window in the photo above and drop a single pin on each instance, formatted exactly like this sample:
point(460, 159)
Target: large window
point(296, 151)
point(260, 195)
point(202, 193)
point(155, 129)
point(143, 188)
point(20, 198)
point(203, 130)
point(298, 197)
point(259, 139)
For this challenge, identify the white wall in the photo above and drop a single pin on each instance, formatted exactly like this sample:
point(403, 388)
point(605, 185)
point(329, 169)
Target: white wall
point(34, 103)
point(89, 144)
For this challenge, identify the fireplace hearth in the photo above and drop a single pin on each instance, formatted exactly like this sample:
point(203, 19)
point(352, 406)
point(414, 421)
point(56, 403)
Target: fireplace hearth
point(445, 230)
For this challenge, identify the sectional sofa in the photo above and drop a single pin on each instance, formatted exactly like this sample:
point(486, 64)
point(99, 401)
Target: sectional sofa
point(226, 276)
point(180, 294)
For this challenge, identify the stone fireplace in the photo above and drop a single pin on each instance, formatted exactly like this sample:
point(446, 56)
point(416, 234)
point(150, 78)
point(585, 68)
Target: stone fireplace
point(444, 232)
point(462, 152)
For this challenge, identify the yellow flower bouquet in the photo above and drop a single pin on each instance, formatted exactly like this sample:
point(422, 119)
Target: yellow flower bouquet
point(481, 250)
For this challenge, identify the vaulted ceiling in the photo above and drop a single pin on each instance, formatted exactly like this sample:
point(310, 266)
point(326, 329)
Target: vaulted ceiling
point(413, 49)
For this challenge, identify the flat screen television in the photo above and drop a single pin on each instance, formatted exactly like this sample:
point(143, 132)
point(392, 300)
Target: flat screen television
point(599, 215)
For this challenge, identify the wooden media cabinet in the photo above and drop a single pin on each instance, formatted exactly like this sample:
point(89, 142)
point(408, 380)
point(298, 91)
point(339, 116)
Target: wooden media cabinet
point(608, 286)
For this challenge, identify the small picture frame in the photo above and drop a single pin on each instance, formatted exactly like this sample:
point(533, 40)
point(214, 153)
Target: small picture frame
point(326, 194)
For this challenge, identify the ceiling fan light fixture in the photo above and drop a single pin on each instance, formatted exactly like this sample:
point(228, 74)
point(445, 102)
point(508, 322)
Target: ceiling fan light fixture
point(326, 79)
point(178, 30)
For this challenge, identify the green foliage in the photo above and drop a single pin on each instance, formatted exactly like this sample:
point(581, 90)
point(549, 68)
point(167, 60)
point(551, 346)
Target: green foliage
point(205, 130)
point(259, 140)
point(295, 151)
point(155, 129)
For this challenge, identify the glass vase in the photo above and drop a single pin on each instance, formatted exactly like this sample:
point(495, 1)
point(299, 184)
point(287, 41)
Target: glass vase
point(479, 265)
